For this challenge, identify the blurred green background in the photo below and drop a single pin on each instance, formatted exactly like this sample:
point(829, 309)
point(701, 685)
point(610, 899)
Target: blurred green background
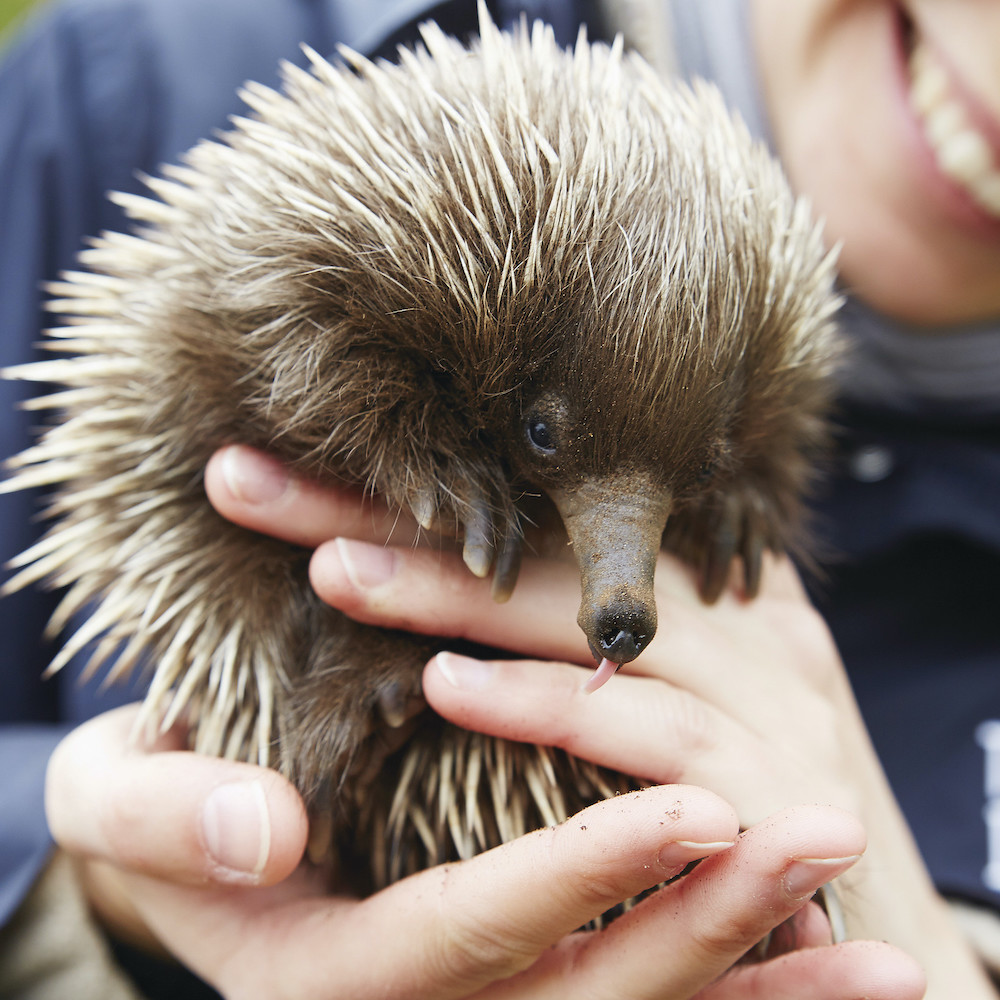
point(11, 12)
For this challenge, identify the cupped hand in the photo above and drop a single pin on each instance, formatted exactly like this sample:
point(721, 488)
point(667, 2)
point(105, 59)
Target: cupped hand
point(747, 698)
point(202, 851)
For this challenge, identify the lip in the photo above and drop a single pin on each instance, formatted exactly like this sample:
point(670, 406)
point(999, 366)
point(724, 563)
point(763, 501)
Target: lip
point(951, 198)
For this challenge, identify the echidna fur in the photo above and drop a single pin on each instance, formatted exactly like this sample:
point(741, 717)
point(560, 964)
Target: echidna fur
point(375, 277)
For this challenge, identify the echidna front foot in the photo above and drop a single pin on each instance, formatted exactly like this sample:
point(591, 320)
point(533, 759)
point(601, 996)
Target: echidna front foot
point(490, 541)
point(355, 701)
point(734, 524)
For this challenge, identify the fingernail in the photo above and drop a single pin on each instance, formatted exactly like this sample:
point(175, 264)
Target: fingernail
point(253, 478)
point(805, 875)
point(683, 852)
point(366, 565)
point(237, 828)
point(463, 672)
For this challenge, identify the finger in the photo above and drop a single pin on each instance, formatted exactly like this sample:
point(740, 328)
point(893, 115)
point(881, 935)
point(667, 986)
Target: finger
point(458, 927)
point(707, 920)
point(172, 814)
point(635, 724)
point(253, 489)
point(659, 732)
point(853, 970)
point(430, 592)
point(434, 593)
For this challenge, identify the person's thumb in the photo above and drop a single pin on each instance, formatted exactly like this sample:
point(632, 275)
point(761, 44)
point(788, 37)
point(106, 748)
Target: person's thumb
point(171, 814)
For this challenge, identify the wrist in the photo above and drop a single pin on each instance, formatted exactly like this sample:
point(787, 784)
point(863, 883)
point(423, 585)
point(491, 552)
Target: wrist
point(889, 896)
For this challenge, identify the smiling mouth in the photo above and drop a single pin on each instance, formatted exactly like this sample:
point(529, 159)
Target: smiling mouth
point(963, 153)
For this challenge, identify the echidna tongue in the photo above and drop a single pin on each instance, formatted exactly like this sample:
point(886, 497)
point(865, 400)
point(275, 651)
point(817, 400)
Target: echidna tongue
point(600, 676)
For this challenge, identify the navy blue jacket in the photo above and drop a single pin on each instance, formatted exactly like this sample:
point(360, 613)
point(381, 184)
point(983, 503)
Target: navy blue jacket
point(103, 88)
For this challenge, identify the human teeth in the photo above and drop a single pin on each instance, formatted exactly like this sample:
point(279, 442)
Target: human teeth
point(929, 86)
point(987, 192)
point(965, 157)
point(943, 122)
point(962, 153)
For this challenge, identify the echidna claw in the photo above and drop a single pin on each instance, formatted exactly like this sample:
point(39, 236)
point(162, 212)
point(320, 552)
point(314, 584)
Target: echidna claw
point(424, 508)
point(508, 566)
point(753, 556)
point(392, 705)
point(320, 844)
point(478, 547)
point(722, 546)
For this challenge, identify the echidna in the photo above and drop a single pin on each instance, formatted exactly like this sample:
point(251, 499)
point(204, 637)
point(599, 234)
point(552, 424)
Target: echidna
point(482, 282)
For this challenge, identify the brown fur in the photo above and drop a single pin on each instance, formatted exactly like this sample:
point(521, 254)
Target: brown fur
point(386, 277)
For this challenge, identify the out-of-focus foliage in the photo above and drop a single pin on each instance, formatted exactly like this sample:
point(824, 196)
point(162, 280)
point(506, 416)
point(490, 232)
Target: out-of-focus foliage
point(11, 13)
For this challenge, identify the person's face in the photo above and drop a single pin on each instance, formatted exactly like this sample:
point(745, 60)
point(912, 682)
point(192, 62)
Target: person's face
point(887, 115)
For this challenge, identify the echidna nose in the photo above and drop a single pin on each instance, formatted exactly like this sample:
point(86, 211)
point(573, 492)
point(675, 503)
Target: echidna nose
point(622, 645)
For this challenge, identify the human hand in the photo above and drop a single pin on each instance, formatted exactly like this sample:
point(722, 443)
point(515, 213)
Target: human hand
point(200, 851)
point(258, 493)
point(747, 698)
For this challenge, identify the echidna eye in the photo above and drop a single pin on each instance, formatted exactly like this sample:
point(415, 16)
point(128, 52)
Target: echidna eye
point(706, 471)
point(540, 436)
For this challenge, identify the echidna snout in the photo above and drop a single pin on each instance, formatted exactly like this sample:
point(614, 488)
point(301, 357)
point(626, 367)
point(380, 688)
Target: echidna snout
point(615, 526)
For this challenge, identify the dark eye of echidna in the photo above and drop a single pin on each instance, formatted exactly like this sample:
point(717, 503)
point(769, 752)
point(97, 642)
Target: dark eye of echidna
point(540, 436)
point(706, 471)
